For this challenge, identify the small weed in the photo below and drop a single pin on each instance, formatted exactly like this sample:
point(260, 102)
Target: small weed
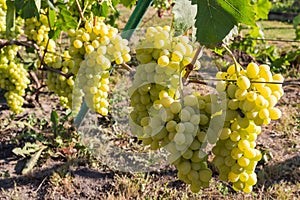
point(5, 174)
point(13, 195)
point(41, 139)
point(222, 189)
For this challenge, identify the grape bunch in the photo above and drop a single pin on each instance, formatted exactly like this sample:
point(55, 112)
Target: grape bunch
point(161, 47)
point(187, 137)
point(163, 58)
point(151, 87)
point(252, 95)
point(161, 117)
point(181, 126)
point(15, 31)
point(93, 50)
point(38, 30)
point(13, 78)
point(60, 84)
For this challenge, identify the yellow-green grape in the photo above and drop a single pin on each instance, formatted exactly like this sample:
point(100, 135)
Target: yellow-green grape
point(160, 46)
point(188, 141)
point(243, 82)
point(239, 163)
point(252, 70)
point(38, 30)
point(13, 75)
point(3, 10)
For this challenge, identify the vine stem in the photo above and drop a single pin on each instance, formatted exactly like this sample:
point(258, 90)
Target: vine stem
point(44, 54)
point(4, 43)
point(202, 81)
point(236, 64)
point(79, 10)
point(189, 67)
point(127, 67)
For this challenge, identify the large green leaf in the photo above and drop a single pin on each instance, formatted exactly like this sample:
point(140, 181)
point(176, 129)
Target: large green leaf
point(215, 18)
point(184, 16)
point(28, 8)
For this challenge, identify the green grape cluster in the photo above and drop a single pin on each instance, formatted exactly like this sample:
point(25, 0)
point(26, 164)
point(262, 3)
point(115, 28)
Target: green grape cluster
point(93, 49)
point(13, 78)
point(252, 94)
point(236, 156)
point(38, 30)
point(13, 75)
point(15, 31)
point(163, 58)
point(181, 126)
point(60, 84)
point(160, 118)
point(187, 125)
point(151, 81)
point(161, 47)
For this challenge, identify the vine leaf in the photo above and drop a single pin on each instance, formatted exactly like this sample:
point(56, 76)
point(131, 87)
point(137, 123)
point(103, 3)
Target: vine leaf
point(128, 3)
point(101, 9)
point(215, 18)
point(27, 150)
point(28, 8)
point(10, 16)
point(262, 8)
point(65, 21)
point(184, 16)
point(51, 17)
point(296, 22)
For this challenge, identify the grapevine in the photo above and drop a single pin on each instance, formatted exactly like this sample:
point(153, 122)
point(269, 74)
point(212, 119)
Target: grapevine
point(190, 126)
